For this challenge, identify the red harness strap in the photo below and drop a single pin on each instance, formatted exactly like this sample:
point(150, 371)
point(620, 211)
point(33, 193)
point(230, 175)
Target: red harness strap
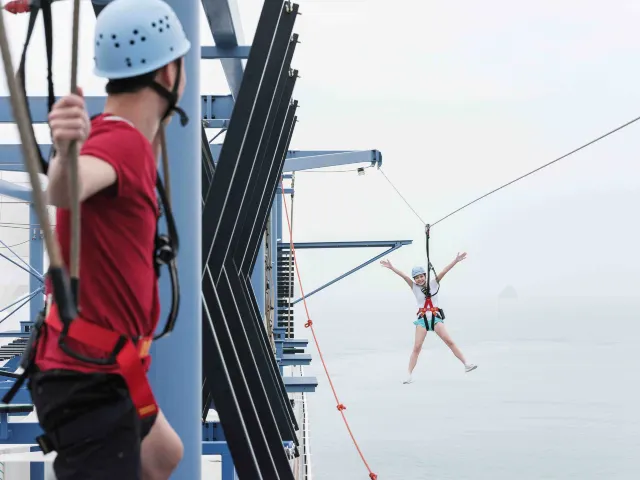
point(428, 307)
point(129, 359)
point(18, 6)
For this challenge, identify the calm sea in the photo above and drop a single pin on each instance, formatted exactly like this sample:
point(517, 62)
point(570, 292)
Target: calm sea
point(556, 394)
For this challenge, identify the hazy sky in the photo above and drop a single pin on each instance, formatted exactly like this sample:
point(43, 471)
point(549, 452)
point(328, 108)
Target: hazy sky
point(459, 98)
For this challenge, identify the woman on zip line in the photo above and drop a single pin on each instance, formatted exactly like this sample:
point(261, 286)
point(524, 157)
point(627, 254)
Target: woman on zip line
point(429, 316)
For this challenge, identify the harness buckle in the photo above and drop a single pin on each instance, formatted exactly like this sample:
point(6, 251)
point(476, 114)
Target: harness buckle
point(29, 353)
point(143, 345)
point(45, 444)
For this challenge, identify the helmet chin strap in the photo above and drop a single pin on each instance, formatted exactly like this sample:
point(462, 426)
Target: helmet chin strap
point(172, 96)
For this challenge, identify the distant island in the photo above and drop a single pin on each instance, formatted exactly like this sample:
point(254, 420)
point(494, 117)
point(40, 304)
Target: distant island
point(509, 293)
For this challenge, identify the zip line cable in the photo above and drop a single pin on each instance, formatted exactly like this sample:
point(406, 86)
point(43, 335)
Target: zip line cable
point(16, 245)
point(309, 324)
point(402, 197)
point(595, 140)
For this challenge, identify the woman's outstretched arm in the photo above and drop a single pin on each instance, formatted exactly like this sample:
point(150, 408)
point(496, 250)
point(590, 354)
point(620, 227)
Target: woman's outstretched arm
point(405, 277)
point(460, 257)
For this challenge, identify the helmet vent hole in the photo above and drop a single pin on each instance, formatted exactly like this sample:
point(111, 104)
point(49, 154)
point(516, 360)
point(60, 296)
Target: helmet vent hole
point(117, 45)
point(135, 32)
point(101, 36)
point(160, 30)
point(128, 62)
point(153, 24)
point(132, 42)
point(113, 36)
point(143, 61)
point(143, 39)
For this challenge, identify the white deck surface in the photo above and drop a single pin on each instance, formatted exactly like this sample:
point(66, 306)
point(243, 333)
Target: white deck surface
point(16, 466)
point(15, 459)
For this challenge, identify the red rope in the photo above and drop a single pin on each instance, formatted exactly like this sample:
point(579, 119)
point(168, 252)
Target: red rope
point(309, 324)
point(17, 6)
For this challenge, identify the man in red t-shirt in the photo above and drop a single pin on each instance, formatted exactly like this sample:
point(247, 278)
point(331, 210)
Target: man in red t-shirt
point(86, 410)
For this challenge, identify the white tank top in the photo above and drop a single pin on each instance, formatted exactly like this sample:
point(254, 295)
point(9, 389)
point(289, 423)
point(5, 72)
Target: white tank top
point(421, 297)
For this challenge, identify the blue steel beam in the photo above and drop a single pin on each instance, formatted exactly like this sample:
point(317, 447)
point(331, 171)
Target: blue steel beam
point(258, 280)
point(16, 191)
point(39, 109)
point(275, 237)
point(313, 153)
point(363, 244)
point(176, 370)
point(295, 359)
point(8, 166)
point(216, 107)
point(394, 246)
point(213, 107)
point(309, 162)
point(319, 158)
point(11, 161)
point(17, 433)
point(36, 261)
point(215, 112)
point(14, 334)
point(300, 384)
point(219, 53)
point(224, 20)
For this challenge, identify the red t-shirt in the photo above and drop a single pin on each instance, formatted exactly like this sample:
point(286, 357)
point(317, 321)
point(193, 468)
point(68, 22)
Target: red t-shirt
point(118, 284)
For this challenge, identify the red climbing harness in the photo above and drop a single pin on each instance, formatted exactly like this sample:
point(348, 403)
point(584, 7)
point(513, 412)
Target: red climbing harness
point(428, 307)
point(129, 355)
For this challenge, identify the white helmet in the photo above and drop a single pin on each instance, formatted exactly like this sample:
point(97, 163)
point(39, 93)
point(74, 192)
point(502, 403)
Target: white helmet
point(415, 271)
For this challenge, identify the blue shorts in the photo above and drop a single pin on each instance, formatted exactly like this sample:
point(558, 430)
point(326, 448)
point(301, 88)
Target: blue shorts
point(429, 324)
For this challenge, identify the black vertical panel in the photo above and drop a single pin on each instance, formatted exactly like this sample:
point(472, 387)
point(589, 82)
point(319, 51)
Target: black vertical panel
point(267, 389)
point(268, 181)
point(233, 400)
point(237, 374)
point(208, 166)
point(235, 183)
point(281, 153)
point(233, 423)
point(228, 162)
point(265, 158)
point(275, 372)
point(278, 392)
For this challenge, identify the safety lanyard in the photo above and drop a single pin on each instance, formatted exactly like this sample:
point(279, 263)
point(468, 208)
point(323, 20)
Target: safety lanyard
point(427, 288)
point(45, 6)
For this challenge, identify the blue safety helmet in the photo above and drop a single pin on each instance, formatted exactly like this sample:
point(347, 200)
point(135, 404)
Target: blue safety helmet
point(415, 271)
point(136, 37)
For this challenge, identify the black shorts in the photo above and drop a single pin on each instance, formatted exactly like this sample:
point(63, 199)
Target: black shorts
point(92, 424)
